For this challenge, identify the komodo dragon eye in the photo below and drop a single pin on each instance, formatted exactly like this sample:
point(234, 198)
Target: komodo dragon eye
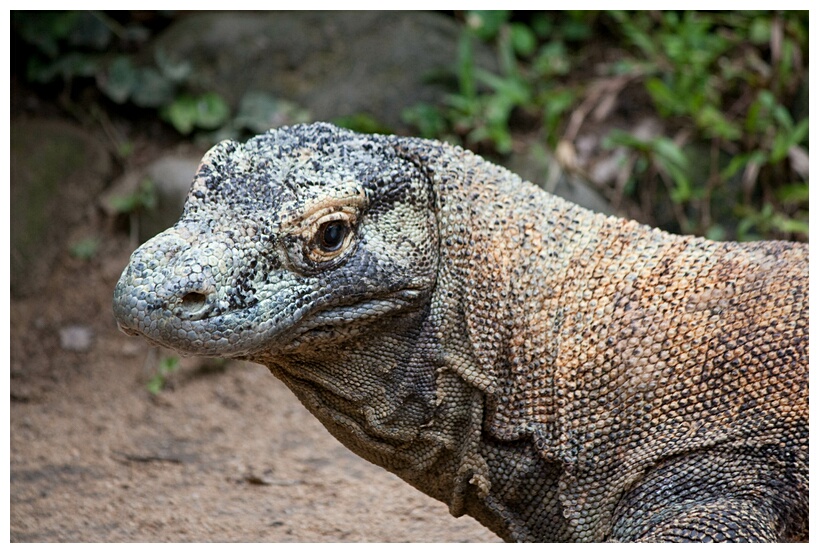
point(331, 235)
point(324, 234)
point(329, 239)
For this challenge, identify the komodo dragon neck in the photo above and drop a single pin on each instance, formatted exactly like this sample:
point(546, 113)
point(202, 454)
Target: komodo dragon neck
point(604, 348)
point(439, 421)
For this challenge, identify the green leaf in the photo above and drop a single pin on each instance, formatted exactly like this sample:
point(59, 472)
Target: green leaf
point(486, 23)
point(753, 117)
point(622, 138)
point(523, 39)
point(664, 97)
point(714, 123)
point(760, 30)
point(175, 71)
point(576, 29)
point(144, 197)
point(791, 226)
point(362, 122)
point(86, 248)
point(181, 113)
point(73, 64)
point(462, 104)
point(783, 117)
point(767, 99)
point(800, 132)
point(155, 384)
point(793, 193)
point(125, 149)
point(120, 80)
point(740, 161)
point(668, 150)
point(542, 24)
point(683, 191)
point(466, 67)
point(552, 59)
point(211, 110)
point(784, 141)
point(167, 366)
point(780, 147)
point(716, 233)
point(512, 89)
point(187, 112)
point(744, 229)
point(427, 118)
point(636, 35)
point(555, 103)
point(786, 62)
point(152, 89)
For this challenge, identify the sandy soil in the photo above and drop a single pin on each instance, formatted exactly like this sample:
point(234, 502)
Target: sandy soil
point(223, 453)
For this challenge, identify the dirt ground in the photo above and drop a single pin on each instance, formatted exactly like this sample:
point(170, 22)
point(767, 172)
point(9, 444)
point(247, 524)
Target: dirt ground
point(224, 453)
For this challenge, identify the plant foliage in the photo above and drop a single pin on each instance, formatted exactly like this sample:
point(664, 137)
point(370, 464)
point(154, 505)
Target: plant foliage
point(730, 89)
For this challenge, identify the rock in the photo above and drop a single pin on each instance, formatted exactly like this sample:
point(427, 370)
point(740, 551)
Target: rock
point(340, 64)
point(170, 178)
point(332, 63)
point(540, 167)
point(76, 338)
point(57, 169)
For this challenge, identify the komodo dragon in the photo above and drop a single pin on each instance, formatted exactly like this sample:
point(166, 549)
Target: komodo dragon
point(557, 374)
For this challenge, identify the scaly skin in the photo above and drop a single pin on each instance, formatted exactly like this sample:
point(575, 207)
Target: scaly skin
point(557, 374)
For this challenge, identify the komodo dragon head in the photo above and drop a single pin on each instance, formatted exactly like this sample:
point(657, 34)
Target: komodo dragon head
point(295, 240)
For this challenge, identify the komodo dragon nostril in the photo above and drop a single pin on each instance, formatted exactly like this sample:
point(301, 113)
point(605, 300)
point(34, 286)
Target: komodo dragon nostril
point(194, 305)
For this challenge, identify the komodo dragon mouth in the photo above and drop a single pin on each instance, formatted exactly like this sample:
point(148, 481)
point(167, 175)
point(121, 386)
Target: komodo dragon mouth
point(192, 323)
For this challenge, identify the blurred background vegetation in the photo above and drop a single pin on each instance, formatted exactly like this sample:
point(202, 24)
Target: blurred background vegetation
point(729, 90)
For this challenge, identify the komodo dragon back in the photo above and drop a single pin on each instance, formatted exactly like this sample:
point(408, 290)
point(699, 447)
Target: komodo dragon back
point(557, 374)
